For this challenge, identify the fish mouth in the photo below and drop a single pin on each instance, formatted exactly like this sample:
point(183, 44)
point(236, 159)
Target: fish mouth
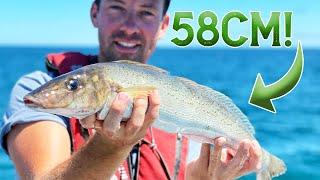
point(32, 102)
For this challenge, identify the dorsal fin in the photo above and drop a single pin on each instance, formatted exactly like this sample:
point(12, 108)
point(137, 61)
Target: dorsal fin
point(146, 66)
point(213, 95)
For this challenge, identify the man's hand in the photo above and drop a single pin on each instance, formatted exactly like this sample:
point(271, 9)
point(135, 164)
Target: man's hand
point(118, 135)
point(222, 163)
point(48, 157)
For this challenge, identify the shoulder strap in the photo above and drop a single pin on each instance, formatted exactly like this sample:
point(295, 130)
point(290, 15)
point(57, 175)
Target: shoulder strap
point(60, 63)
point(78, 134)
point(133, 162)
point(157, 153)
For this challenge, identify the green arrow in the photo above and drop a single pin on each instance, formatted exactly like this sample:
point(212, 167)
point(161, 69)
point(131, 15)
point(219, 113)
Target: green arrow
point(262, 96)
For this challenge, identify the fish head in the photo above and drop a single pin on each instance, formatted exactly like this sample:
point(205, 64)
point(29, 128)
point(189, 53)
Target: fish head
point(79, 94)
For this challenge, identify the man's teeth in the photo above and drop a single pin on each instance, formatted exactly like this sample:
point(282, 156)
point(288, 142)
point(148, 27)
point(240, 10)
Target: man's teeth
point(126, 44)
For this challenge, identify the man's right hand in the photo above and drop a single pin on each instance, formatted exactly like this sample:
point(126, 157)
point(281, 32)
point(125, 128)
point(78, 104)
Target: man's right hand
point(116, 135)
point(41, 150)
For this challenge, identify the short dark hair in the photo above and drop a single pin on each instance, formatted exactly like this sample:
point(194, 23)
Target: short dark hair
point(165, 7)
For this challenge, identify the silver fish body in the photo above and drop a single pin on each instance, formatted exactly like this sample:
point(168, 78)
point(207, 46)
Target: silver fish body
point(186, 107)
point(193, 110)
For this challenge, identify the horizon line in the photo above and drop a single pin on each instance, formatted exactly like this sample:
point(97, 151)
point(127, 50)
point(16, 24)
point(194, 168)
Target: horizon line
point(158, 47)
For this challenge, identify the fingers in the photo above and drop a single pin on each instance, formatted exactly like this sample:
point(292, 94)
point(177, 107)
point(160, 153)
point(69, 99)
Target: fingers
point(227, 154)
point(128, 133)
point(254, 161)
point(204, 154)
point(256, 153)
point(225, 163)
point(145, 112)
point(98, 124)
point(138, 115)
point(88, 122)
point(153, 109)
point(237, 163)
point(234, 167)
point(111, 123)
point(216, 153)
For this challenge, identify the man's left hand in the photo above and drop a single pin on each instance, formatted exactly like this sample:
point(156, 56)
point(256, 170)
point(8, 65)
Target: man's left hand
point(224, 163)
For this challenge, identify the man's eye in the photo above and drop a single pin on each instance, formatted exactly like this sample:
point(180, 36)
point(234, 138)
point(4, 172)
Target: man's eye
point(117, 8)
point(146, 13)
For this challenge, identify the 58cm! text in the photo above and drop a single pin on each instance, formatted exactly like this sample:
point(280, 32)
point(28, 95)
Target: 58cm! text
point(257, 26)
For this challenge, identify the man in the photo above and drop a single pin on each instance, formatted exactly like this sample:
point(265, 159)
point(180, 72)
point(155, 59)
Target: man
point(39, 143)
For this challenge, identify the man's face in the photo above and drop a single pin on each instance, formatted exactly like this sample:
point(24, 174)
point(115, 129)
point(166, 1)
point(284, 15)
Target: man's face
point(128, 29)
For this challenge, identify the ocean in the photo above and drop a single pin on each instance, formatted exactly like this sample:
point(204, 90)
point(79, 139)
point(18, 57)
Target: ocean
point(291, 133)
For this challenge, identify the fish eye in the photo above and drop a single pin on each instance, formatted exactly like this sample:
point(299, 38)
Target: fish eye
point(72, 84)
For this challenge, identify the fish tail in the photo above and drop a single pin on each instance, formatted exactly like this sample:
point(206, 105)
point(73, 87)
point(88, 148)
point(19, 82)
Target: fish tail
point(272, 166)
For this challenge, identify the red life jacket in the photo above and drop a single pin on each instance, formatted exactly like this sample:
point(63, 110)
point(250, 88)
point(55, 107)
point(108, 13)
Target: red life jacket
point(158, 149)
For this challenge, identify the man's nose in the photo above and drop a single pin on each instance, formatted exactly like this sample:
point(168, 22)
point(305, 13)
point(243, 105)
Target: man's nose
point(130, 25)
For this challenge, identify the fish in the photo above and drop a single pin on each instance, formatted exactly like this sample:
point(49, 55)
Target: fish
point(193, 110)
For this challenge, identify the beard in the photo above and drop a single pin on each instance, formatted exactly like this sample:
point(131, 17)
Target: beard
point(110, 52)
point(113, 55)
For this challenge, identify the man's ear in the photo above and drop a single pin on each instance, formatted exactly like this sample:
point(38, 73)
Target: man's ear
point(94, 14)
point(164, 26)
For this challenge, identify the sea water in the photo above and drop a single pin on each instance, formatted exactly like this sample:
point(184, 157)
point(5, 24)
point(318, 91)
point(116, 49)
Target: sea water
point(291, 133)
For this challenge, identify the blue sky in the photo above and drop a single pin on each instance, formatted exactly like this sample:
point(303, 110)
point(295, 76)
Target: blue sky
point(62, 22)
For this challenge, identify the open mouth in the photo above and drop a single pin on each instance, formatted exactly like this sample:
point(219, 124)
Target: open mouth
point(31, 101)
point(127, 47)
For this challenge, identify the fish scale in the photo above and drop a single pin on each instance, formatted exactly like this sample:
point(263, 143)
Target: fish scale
point(175, 93)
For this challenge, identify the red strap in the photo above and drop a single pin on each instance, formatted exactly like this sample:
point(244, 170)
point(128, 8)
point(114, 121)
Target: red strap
point(66, 62)
point(77, 138)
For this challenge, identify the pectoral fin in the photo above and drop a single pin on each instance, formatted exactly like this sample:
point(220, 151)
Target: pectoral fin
point(137, 91)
